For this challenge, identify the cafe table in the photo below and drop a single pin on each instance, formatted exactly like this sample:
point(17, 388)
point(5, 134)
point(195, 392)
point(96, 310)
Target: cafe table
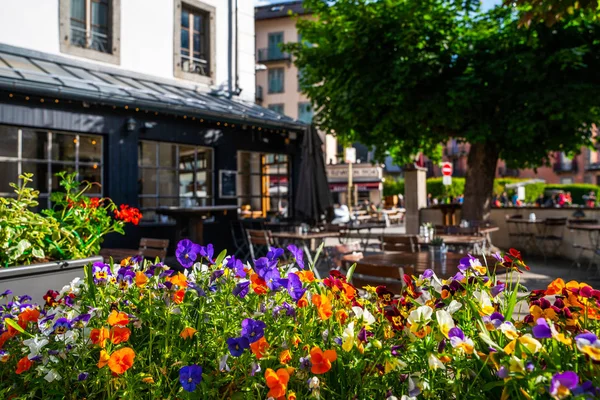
point(527, 229)
point(593, 231)
point(305, 240)
point(472, 243)
point(388, 268)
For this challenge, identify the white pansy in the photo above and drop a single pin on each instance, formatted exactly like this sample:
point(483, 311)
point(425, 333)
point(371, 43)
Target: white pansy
point(420, 316)
point(434, 362)
point(364, 314)
point(348, 337)
point(52, 375)
point(454, 306)
point(223, 363)
point(445, 321)
point(35, 345)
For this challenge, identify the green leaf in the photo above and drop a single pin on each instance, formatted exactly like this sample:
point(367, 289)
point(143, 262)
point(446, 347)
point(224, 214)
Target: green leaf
point(220, 258)
point(22, 246)
point(13, 324)
point(38, 252)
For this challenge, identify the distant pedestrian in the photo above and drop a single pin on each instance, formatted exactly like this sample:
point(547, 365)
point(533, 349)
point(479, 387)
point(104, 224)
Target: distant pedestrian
point(539, 202)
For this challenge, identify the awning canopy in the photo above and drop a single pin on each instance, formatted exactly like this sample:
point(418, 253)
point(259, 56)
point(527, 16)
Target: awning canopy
point(33, 72)
point(361, 187)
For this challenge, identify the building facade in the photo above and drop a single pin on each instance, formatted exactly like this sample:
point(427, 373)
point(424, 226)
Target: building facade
point(278, 88)
point(153, 99)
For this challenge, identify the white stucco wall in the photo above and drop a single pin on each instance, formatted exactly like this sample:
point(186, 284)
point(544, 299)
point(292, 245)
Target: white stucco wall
point(146, 35)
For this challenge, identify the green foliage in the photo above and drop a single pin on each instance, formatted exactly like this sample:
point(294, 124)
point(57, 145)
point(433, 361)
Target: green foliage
point(439, 190)
point(72, 229)
point(578, 190)
point(392, 187)
point(551, 11)
point(406, 75)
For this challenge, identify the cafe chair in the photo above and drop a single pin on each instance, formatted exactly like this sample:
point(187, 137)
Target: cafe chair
point(405, 243)
point(367, 275)
point(551, 238)
point(240, 240)
point(149, 248)
point(581, 248)
point(335, 254)
point(259, 242)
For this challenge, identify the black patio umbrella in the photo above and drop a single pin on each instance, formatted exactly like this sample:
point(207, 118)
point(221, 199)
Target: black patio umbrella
point(313, 197)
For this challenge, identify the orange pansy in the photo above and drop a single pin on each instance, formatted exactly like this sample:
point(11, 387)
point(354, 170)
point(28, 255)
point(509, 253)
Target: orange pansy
point(341, 316)
point(260, 347)
point(119, 334)
point(302, 302)
point(258, 285)
point(323, 306)
point(277, 382)
point(118, 318)
point(99, 336)
point(321, 361)
point(4, 337)
point(178, 296)
point(104, 357)
point(140, 279)
point(179, 280)
point(555, 287)
point(121, 360)
point(23, 365)
point(285, 357)
point(306, 276)
point(29, 315)
point(187, 333)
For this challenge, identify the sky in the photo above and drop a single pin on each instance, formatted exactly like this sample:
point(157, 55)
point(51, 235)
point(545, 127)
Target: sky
point(486, 3)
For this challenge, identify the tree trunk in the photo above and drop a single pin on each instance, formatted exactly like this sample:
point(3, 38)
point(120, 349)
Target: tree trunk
point(479, 184)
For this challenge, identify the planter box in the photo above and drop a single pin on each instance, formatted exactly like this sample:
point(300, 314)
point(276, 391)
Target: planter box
point(35, 280)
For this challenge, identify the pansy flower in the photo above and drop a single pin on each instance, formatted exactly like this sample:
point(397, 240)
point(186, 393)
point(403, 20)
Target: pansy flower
point(298, 255)
point(589, 345)
point(323, 304)
point(562, 384)
point(237, 266)
point(321, 360)
point(277, 382)
point(23, 365)
point(101, 272)
point(294, 287)
point(274, 254)
point(125, 277)
point(253, 329)
point(207, 252)
point(260, 347)
point(61, 326)
point(190, 376)
point(458, 340)
point(121, 360)
point(237, 345)
point(187, 252)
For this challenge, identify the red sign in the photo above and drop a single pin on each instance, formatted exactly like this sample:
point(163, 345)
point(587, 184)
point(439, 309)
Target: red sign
point(447, 169)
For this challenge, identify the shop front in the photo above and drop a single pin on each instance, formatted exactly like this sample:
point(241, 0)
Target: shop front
point(148, 142)
point(367, 183)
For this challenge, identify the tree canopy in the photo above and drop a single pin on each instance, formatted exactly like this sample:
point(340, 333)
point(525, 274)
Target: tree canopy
point(407, 75)
point(551, 11)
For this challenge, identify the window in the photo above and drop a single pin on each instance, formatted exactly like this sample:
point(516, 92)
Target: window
point(566, 163)
point(43, 154)
point(305, 112)
point(173, 175)
point(91, 29)
point(566, 181)
point(194, 41)
point(273, 50)
point(275, 80)
point(263, 183)
point(278, 108)
point(300, 73)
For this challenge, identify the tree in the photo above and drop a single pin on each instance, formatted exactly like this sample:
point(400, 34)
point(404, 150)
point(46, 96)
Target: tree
point(551, 11)
point(407, 75)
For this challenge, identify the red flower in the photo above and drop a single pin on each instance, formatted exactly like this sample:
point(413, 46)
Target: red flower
point(23, 365)
point(128, 214)
point(50, 298)
point(515, 253)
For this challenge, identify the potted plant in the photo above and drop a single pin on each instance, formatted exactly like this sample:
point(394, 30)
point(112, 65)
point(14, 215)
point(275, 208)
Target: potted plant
point(438, 248)
point(51, 247)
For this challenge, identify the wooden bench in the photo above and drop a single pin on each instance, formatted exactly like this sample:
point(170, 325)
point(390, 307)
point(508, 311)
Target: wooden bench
point(149, 248)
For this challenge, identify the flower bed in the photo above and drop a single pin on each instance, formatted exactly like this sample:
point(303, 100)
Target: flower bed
point(271, 330)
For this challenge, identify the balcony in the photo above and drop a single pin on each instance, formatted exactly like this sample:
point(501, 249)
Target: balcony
point(566, 167)
point(272, 54)
point(259, 93)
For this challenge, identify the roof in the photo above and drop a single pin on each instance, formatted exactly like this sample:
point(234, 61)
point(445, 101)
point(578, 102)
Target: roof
point(33, 72)
point(279, 10)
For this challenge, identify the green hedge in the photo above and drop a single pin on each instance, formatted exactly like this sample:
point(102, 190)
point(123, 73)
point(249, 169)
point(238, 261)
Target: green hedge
point(578, 190)
point(532, 191)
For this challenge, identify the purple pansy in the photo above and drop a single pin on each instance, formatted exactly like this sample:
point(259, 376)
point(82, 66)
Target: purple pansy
point(241, 289)
point(7, 292)
point(101, 272)
point(498, 256)
point(563, 383)
point(263, 265)
point(255, 368)
point(81, 320)
point(190, 376)
point(62, 325)
point(273, 279)
point(82, 376)
point(236, 265)
point(274, 253)
point(502, 372)
point(542, 330)
point(207, 252)
point(294, 287)
point(125, 277)
point(237, 345)
point(428, 273)
point(187, 252)
point(497, 289)
point(298, 255)
point(253, 329)
point(468, 262)
point(215, 275)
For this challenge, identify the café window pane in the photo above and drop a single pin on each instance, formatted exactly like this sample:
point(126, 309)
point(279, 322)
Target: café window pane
point(181, 177)
point(263, 184)
point(44, 154)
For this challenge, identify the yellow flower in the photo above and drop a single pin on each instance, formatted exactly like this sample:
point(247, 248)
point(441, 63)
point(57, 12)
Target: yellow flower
point(532, 345)
point(445, 321)
point(348, 337)
point(516, 365)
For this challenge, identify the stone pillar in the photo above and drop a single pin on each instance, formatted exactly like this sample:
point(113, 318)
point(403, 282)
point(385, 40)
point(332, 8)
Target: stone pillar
point(415, 197)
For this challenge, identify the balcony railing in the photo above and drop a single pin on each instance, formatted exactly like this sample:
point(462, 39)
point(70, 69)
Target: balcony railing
point(272, 54)
point(259, 93)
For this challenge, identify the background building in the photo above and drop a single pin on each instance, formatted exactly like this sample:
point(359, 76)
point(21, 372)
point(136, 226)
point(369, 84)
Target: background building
point(154, 99)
